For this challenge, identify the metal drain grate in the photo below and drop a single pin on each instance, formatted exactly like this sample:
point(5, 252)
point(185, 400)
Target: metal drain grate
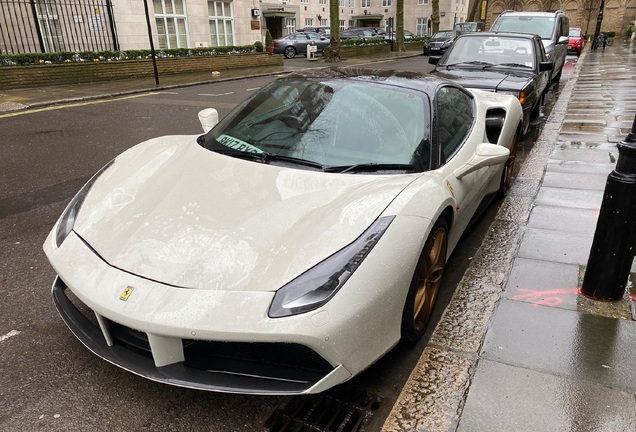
point(344, 410)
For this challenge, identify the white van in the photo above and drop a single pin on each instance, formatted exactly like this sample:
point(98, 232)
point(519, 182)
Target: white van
point(552, 27)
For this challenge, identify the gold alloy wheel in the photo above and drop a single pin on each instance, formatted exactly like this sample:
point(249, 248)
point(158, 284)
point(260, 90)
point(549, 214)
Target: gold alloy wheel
point(510, 165)
point(430, 278)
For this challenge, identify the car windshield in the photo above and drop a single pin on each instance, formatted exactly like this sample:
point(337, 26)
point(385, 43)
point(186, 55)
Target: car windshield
point(443, 35)
point(541, 25)
point(574, 32)
point(334, 123)
point(492, 51)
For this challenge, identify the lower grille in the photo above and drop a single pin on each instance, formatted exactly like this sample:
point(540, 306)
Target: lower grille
point(255, 368)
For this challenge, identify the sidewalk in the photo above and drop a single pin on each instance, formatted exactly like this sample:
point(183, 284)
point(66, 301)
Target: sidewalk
point(518, 348)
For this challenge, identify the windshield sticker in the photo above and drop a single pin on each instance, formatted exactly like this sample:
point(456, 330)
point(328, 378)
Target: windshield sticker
point(237, 144)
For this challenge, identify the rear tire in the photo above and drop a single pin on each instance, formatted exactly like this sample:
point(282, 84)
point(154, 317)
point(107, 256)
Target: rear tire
point(425, 284)
point(506, 176)
point(289, 52)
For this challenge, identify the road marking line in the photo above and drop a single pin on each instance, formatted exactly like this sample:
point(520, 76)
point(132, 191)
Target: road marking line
point(57, 107)
point(167, 92)
point(252, 89)
point(9, 335)
point(215, 95)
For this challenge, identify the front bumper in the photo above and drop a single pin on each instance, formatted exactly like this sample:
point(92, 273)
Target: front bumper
point(224, 340)
point(256, 368)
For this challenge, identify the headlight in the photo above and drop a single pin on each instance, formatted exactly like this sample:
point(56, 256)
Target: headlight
point(519, 95)
point(317, 285)
point(67, 221)
point(447, 43)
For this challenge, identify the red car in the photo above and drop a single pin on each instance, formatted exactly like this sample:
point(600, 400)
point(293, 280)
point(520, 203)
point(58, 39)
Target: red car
point(576, 41)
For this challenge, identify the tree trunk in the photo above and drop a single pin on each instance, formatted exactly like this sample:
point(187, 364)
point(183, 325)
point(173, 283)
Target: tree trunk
point(399, 25)
point(435, 15)
point(333, 54)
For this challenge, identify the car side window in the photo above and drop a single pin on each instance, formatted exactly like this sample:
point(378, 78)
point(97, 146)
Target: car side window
point(455, 115)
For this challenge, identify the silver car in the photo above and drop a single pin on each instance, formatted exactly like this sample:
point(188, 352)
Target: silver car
point(296, 43)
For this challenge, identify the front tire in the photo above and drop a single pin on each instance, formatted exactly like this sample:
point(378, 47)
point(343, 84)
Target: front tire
point(425, 284)
point(290, 52)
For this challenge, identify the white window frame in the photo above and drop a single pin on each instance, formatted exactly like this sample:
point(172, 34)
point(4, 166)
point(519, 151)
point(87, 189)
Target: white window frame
point(341, 24)
point(309, 22)
point(322, 2)
point(386, 3)
point(352, 4)
point(422, 2)
point(304, 1)
point(324, 23)
point(164, 17)
point(365, 3)
point(221, 21)
point(421, 26)
point(50, 28)
point(290, 26)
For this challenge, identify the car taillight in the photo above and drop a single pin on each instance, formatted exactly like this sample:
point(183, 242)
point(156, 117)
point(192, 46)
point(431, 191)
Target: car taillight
point(275, 43)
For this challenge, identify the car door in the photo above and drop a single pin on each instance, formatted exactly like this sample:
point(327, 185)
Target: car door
point(319, 40)
point(543, 78)
point(455, 117)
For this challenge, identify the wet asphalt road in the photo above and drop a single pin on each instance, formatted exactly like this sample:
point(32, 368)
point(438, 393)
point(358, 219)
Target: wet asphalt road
point(49, 380)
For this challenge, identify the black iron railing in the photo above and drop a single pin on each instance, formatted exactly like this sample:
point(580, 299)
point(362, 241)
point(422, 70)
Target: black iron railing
point(32, 26)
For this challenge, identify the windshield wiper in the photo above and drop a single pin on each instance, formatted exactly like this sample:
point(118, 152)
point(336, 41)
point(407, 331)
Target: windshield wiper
point(514, 65)
point(475, 62)
point(267, 158)
point(369, 167)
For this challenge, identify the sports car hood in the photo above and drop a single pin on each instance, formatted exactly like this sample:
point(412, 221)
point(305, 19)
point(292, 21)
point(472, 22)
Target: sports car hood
point(486, 79)
point(174, 212)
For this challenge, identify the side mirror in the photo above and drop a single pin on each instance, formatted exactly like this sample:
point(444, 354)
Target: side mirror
point(546, 66)
point(208, 117)
point(563, 40)
point(434, 59)
point(486, 155)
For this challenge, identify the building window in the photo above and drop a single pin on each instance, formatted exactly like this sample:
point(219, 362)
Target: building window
point(352, 3)
point(351, 23)
point(290, 25)
point(365, 3)
point(341, 24)
point(322, 2)
point(422, 2)
point(221, 20)
point(49, 24)
point(341, 3)
point(309, 22)
point(171, 23)
point(323, 23)
point(421, 26)
point(386, 3)
point(304, 1)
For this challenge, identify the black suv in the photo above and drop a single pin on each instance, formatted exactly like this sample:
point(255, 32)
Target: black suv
point(552, 27)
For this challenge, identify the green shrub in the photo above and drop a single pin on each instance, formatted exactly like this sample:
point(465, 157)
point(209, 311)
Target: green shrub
point(258, 45)
point(90, 56)
point(268, 38)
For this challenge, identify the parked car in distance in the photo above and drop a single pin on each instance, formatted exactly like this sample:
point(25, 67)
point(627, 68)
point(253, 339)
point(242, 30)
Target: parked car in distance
point(293, 244)
point(440, 41)
point(361, 33)
point(466, 27)
point(323, 30)
point(553, 27)
point(576, 41)
point(296, 43)
point(407, 36)
point(512, 63)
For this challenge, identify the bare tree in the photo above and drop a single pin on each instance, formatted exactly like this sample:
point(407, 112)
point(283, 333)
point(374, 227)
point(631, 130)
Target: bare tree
point(589, 10)
point(333, 54)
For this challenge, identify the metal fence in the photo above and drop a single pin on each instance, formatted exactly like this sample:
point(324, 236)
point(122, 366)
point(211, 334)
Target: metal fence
point(32, 26)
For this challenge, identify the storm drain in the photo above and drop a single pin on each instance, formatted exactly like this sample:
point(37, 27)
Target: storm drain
point(344, 410)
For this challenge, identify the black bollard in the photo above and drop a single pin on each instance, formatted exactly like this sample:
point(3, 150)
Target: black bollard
point(614, 244)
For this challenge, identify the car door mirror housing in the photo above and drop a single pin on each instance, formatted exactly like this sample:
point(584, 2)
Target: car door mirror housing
point(546, 66)
point(486, 154)
point(208, 117)
point(434, 59)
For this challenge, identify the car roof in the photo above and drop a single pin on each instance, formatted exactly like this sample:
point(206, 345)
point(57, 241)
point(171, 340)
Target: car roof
point(525, 13)
point(417, 81)
point(500, 34)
